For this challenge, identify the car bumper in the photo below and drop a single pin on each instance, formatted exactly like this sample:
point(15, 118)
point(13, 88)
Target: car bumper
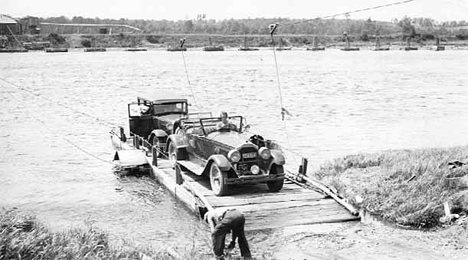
point(255, 178)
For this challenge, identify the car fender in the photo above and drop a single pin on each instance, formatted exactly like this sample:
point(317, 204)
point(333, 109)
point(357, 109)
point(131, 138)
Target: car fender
point(178, 140)
point(278, 157)
point(158, 133)
point(180, 144)
point(220, 160)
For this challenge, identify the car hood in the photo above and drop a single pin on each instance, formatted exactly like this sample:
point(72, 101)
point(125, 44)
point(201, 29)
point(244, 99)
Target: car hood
point(170, 118)
point(233, 139)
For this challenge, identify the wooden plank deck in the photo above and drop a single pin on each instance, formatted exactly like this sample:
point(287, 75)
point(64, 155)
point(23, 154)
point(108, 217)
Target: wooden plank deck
point(293, 205)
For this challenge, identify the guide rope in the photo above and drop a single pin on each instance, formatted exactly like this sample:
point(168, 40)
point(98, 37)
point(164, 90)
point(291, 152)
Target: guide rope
point(44, 124)
point(99, 120)
point(353, 11)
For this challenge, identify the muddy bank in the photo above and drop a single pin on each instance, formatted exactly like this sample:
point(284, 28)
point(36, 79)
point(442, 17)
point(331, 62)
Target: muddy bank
point(371, 240)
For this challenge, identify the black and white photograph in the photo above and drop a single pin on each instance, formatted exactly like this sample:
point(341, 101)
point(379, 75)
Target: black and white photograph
point(236, 129)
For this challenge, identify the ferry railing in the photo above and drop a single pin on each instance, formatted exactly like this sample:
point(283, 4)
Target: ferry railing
point(154, 151)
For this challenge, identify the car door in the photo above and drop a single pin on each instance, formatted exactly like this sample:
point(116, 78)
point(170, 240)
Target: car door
point(140, 121)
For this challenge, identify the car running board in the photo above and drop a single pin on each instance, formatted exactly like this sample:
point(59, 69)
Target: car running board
point(195, 168)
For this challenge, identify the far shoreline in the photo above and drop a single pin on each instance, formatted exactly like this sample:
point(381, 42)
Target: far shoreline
point(198, 41)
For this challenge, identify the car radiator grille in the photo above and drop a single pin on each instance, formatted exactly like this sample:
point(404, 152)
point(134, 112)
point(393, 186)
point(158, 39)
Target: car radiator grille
point(249, 157)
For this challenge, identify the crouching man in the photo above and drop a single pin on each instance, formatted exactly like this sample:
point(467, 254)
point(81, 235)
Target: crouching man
point(223, 221)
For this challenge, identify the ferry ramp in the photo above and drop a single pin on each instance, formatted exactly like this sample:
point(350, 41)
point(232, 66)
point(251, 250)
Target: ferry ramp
point(295, 204)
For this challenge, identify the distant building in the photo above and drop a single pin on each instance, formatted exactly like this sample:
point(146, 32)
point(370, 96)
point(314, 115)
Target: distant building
point(81, 28)
point(30, 25)
point(9, 26)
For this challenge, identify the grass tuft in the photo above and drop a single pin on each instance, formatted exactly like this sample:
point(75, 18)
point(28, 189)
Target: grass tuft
point(22, 237)
point(402, 186)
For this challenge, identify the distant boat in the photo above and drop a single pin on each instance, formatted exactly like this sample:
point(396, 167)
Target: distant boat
point(247, 48)
point(136, 49)
point(13, 50)
point(95, 49)
point(36, 46)
point(56, 50)
point(177, 49)
point(378, 47)
point(348, 45)
point(212, 47)
point(315, 46)
point(408, 46)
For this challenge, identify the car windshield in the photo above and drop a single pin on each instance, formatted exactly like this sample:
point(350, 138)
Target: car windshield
point(217, 122)
point(208, 125)
point(168, 108)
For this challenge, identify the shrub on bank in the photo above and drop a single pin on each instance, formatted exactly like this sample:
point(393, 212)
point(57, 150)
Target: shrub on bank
point(402, 186)
point(22, 237)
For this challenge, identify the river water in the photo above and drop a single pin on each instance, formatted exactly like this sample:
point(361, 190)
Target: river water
point(54, 157)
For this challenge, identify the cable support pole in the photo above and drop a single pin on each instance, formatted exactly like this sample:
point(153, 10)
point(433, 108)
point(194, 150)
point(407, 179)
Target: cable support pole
point(272, 32)
point(182, 42)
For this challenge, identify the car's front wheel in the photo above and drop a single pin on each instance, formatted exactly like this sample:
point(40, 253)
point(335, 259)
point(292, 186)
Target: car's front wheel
point(218, 180)
point(172, 152)
point(275, 186)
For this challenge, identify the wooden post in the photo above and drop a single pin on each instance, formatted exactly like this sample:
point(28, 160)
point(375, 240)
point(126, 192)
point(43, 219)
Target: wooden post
point(447, 208)
point(179, 179)
point(123, 138)
point(155, 156)
point(304, 166)
point(137, 142)
point(148, 148)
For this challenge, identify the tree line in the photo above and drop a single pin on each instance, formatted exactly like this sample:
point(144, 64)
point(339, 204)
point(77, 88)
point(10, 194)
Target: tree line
point(405, 27)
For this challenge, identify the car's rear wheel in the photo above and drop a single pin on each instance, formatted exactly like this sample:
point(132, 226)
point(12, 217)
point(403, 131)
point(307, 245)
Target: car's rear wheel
point(275, 186)
point(218, 180)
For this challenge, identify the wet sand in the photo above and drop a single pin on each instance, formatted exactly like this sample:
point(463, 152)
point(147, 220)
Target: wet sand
point(361, 240)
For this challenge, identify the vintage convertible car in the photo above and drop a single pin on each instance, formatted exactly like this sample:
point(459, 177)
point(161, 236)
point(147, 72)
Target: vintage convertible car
point(226, 154)
point(155, 116)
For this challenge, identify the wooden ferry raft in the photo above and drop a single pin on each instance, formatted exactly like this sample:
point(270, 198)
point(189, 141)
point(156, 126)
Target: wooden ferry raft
point(296, 204)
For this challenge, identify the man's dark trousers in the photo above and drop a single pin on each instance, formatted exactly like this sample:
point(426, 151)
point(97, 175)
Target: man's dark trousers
point(232, 220)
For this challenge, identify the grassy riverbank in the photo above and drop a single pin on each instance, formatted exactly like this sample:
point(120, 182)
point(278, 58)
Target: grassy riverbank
point(228, 41)
point(22, 237)
point(407, 187)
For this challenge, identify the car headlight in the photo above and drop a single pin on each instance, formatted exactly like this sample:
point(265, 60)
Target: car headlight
point(234, 155)
point(255, 169)
point(170, 127)
point(264, 152)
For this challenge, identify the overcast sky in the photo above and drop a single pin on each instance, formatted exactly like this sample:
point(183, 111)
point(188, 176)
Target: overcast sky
point(442, 10)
